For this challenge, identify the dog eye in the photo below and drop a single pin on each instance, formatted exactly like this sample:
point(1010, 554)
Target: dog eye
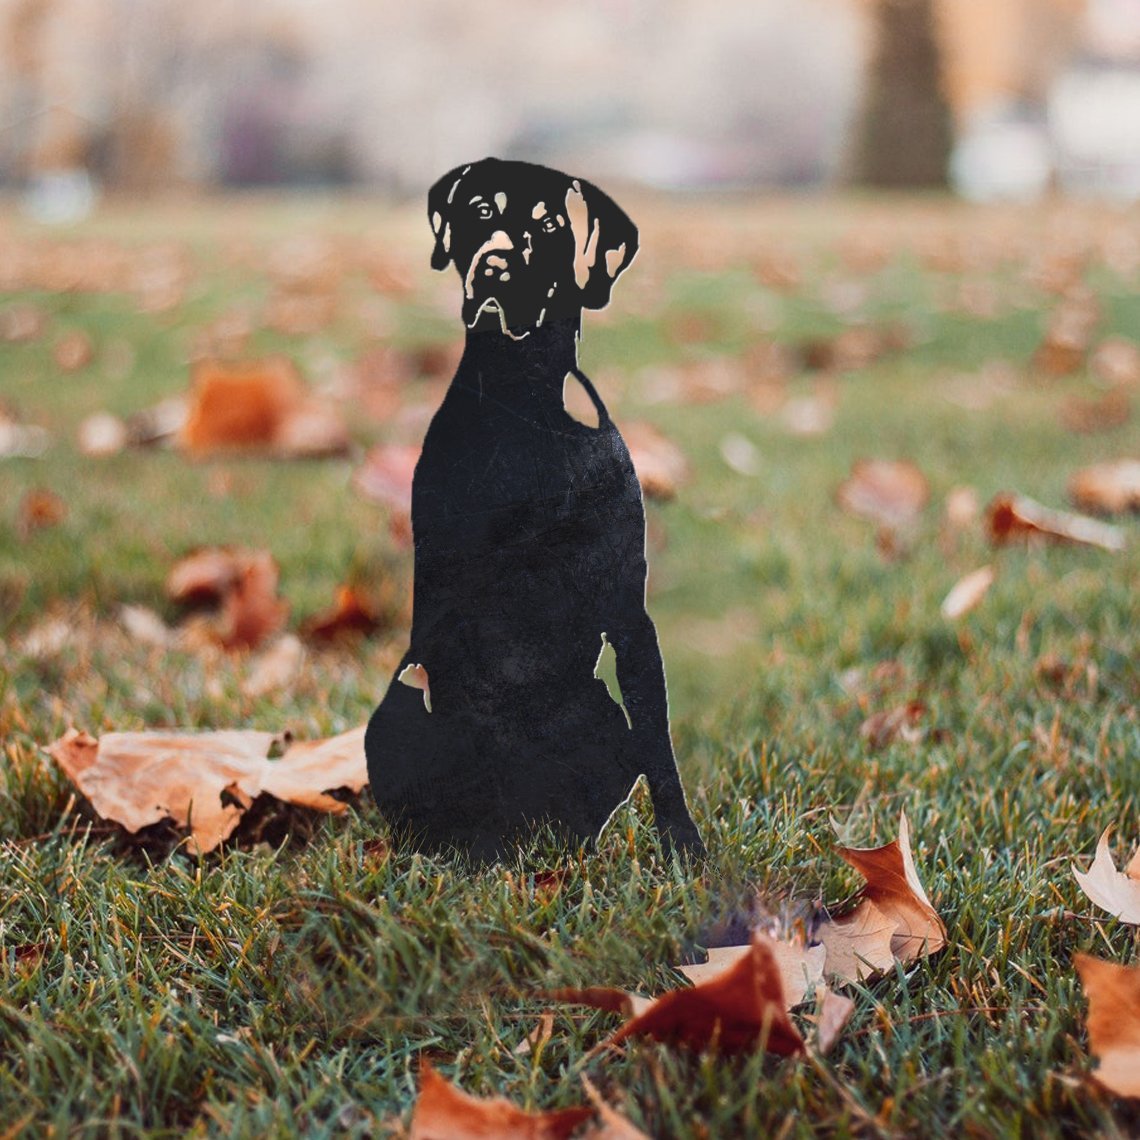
point(549, 224)
point(485, 211)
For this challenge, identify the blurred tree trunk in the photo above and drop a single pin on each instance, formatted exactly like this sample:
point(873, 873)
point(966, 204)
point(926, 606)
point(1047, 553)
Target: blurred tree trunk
point(905, 134)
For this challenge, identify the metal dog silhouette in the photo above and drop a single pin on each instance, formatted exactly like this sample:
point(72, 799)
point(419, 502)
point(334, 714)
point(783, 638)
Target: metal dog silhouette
point(529, 538)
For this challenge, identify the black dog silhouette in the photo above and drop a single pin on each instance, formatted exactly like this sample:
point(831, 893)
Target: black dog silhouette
point(529, 548)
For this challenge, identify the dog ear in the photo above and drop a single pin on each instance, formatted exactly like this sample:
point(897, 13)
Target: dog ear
point(440, 204)
point(606, 241)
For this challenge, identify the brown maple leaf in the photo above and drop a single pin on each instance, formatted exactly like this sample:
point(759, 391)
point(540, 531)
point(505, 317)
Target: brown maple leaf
point(1113, 1022)
point(205, 781)
point(445, 1112)
point(893, 888)
point(739, 1009)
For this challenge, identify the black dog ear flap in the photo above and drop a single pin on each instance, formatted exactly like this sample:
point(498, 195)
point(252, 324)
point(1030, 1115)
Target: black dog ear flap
point(440, 201)
point(606, 241)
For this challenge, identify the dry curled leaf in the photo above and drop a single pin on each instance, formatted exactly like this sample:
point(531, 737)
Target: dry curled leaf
point(1117, 361)
point(968, 592)
point(833, 1014)
point(1107, 488)
point(858, 944)
point(889, 492)
point(801, 967)
point(444, 1112)
point(904, 722)
point(1011, 517)
point(258, 405)
point(660, 464)
point(1117, 892)
point(1113, 1022)
point(39, 509)
point(102, 434)
point(352, 615)
point(205, 781)
point(244, 582)
point(738, 1010)
point(894, 889)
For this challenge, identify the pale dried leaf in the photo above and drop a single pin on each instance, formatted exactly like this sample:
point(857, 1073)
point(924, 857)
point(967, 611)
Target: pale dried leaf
point(1113, 1022)
point(102, 434)
point(146, 627)
point(889, 492)
point(968, 592)
point(1108, 488)
point(904, 722)
point(1011, 516)
point(274, 668)
point(1117, 892)
point(858, 944)
point(204, 781)
point(834, 1012)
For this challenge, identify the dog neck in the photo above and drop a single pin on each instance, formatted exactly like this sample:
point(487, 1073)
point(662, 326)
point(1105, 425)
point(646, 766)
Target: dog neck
point(546, 352)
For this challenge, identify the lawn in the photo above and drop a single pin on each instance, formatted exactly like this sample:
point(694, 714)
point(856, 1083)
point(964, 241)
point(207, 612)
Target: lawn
point(290, 984)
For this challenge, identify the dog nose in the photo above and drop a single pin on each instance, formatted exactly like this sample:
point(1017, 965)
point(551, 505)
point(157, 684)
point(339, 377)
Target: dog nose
point(496, 261)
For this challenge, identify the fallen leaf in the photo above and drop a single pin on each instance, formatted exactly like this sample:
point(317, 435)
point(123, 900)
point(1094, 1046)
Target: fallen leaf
point(102, 434)
point(1101, 413)
point(445, 1112)
point(801, 967)
point(73, 351)
point(900, 723)
point(386, 475)
point(1117, 361)
point(741, 454)
point(858, 944)
point(1069, 333)
point(961, 507)
point(39, 509)
point(205, 781)
point(893, 887)
point(21, 441)
point(834, 1013)
point(968, 592)
point(1113, 1022)
point(660, 464)
point(352, 615)
point(1108, 488)
point(146, 627)
point(1010, 516)
point(261, 406)
point(613, 1125)
point(1117, 892)
point(243, 582)
point(737, 1010)
point(21, 323)
point(274, 668)
point(806, 416)
point(889, 492)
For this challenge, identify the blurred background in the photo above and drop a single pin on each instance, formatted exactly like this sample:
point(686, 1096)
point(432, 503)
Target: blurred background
point(1003, 98)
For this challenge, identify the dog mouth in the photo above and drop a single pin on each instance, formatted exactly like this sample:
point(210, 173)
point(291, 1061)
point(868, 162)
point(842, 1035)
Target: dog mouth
point(493, 307)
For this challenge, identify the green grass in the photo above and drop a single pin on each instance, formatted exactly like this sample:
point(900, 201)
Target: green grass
point(288, 985)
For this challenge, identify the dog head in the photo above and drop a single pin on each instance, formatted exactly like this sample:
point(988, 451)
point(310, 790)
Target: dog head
point(530, 244)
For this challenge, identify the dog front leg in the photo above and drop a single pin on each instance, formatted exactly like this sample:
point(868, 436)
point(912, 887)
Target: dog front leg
point(641, 676)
